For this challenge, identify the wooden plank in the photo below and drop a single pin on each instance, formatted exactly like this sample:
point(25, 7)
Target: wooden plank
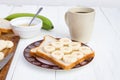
point(103, 64)
point(21, 68)
point(51, 13)
point(55, 14)
point(105, 42)
point(24, 69)
point(24, 9)
point(5, 10)
point(79, 73)
point(113, 18)
point(112, 14)
point(104, 38)
point(15, 40)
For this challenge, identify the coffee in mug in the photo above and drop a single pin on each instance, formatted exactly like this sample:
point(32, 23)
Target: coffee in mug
point(80, 22)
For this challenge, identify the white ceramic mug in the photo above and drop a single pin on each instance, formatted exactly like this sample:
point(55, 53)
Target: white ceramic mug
point(80, 22)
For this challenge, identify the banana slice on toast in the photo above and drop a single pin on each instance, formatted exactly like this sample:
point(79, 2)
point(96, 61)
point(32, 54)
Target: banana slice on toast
point(65, 41)
point(69, 58)
point(75, 45)
point(49, 49)
point(66, 50)
point(57, 44)
point(57, 54)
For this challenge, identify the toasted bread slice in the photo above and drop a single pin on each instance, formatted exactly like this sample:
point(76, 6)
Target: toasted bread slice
point(5, 26)
point(5, 46)
point(64, 56)
point(47, 39)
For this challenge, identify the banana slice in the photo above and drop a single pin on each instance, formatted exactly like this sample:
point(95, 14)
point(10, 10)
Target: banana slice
point(3, 45)
point(57, 44)
point(9, 44)
point(77, 54)
point(66, 50)
point(49, 49)
point(57, 54)
point(86, 50)
point(75, 45)
point(69, 58)
point(65, 41)
point(1, 56)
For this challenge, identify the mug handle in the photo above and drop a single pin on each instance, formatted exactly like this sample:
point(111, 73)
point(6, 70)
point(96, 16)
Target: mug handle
point(66, 18)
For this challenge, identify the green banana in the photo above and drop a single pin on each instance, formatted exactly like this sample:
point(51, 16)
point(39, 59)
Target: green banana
point(47, 24)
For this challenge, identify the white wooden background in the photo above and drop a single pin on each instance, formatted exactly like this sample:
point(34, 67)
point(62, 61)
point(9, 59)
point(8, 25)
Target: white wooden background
point(100, 3)
point(105, 41)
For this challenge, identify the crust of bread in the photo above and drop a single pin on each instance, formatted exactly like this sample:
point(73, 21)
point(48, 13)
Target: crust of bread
point(2, 31)
point(65, 67)
point(5, 26)
point(32, 53)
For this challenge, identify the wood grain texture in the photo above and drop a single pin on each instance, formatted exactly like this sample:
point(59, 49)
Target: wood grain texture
point(15, 40)
point(105, 41)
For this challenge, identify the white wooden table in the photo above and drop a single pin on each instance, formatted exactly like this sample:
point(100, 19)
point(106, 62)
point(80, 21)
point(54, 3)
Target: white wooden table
point(105, 41)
